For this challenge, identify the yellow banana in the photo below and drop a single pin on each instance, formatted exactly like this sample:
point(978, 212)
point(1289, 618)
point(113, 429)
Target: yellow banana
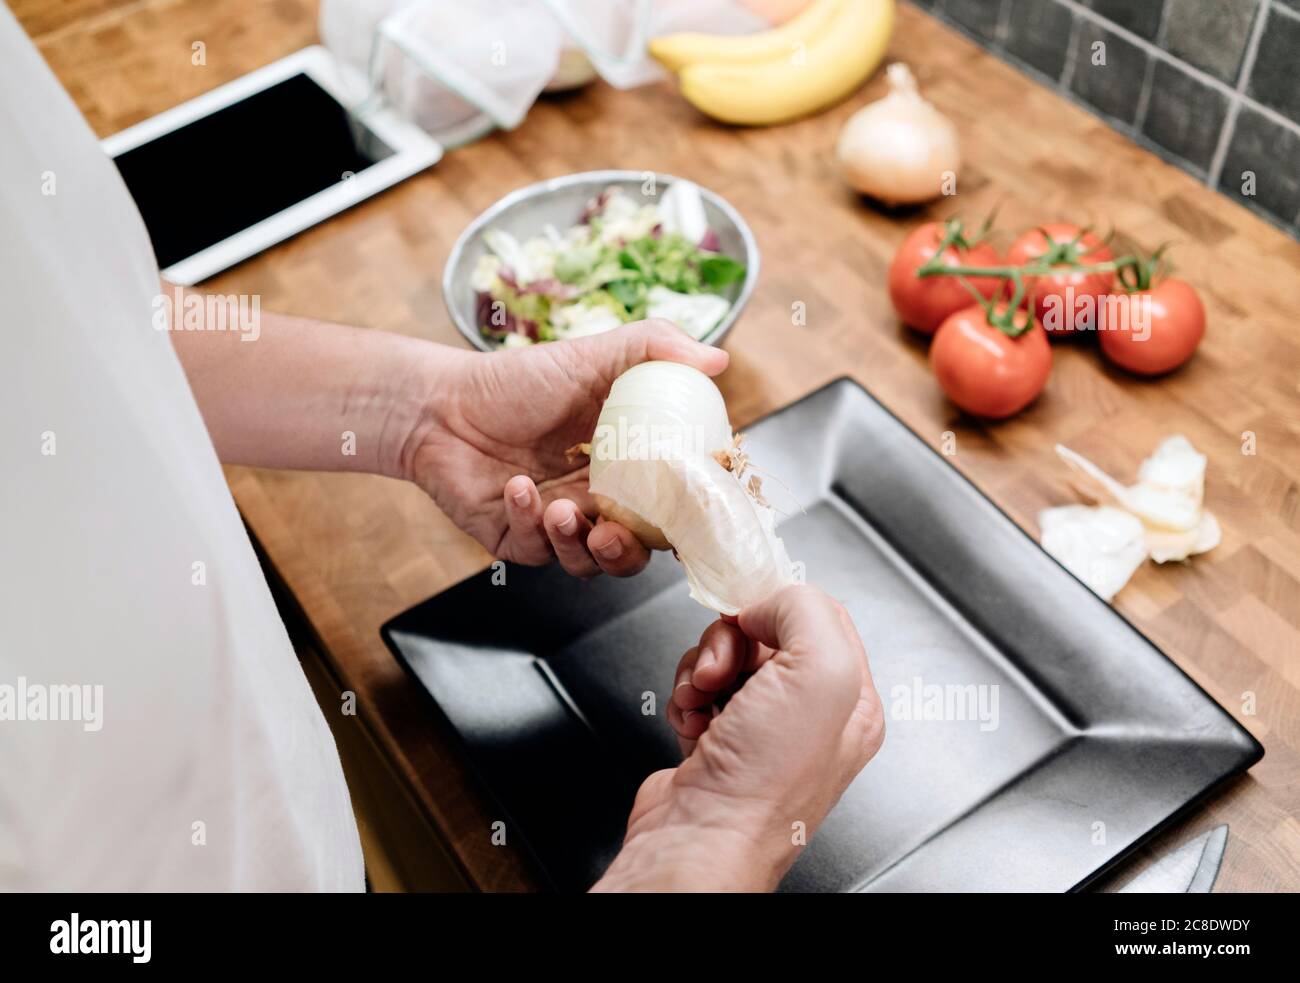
point(674, 51)
point(831, 65)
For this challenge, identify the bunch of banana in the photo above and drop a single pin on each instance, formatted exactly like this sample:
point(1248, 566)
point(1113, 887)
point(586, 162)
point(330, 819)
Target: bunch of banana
point(811, 61)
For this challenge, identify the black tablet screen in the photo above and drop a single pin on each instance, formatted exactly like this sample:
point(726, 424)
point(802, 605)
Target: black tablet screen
point(216, 176)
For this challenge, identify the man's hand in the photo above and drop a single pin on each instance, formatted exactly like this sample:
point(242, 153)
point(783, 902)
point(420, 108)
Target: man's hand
point(484, 435)
point(801, 719)
point(490, 446)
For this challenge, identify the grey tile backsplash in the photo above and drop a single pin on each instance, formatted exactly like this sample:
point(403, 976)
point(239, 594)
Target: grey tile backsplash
point(1212, 86)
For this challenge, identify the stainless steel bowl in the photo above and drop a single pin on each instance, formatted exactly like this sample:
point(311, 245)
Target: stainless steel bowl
point(560, 202)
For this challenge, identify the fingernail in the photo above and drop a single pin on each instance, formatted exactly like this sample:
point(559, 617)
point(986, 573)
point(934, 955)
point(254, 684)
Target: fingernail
point(706, 659)
point(570, 525)
point(688, 714)
point(611, 550)
point(683, 679)
point(523, 498)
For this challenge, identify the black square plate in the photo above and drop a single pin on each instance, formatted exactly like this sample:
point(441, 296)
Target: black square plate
point(1096, 740)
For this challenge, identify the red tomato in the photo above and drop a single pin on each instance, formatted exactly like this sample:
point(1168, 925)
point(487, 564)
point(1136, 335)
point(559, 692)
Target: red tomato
point(1153, 331)
point(924, 303)
point(1067, 301)
point(983, 370)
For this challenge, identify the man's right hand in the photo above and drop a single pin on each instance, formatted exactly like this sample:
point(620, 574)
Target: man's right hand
point(801, 719)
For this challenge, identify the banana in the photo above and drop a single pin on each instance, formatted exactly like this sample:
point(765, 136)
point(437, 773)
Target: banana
point(830, 65)
point(675, 51)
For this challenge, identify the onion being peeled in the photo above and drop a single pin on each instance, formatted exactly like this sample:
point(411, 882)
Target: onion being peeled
point(900, 149)
point(666, 464)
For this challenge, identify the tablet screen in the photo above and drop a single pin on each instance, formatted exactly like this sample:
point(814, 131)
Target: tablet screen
point(216, 176)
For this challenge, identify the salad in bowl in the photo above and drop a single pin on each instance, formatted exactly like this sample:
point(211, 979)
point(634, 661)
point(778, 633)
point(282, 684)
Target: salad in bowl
point(626, 258)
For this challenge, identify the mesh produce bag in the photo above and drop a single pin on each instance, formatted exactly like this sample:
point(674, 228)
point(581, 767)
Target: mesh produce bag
point(460, 67)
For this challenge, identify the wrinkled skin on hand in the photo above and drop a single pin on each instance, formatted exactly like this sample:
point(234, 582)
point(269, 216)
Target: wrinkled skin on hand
point(491, 449)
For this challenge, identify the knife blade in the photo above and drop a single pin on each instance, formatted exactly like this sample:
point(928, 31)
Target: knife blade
point(1191, 868)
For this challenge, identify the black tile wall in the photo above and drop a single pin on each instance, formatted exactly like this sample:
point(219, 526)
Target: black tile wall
point(1109, 71)
point(1273, 81)
point(979, 16)
point(1209, 85)
point(1210, 34)
point(1184, 115)
point(1262, 165)
point(1039, 35)
point(1142, 17)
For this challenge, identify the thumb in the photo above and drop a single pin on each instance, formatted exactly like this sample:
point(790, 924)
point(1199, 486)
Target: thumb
point(796, 619)
point(821, 646)
point(614, 352)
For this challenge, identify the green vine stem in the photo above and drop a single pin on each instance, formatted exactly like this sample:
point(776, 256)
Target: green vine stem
point(1133, 272)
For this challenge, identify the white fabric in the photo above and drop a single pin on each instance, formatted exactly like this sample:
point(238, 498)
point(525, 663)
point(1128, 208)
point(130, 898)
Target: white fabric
point(459, 67)
point(207, 717)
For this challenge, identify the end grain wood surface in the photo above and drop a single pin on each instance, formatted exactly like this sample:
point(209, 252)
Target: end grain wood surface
point(355, 550)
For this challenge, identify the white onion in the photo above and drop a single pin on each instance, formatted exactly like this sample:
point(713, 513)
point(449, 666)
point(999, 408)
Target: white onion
point(900, 148)
point(573, 71)
point(656, 467)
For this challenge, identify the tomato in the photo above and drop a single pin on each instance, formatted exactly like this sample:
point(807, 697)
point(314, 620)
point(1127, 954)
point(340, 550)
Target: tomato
point(983, 370)
point(923, 303)
point(1153, 331)
point(1067, 301)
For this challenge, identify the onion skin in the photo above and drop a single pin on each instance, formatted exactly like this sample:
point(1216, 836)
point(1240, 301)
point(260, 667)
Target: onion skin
point(899, 149)
point(651, 537)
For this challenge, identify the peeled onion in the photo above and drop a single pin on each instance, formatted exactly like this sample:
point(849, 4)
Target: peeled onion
point(665, 464)
point(900, 148)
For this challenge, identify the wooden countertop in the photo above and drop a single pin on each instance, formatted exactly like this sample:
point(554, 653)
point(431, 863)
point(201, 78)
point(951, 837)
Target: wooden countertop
point(356, 550)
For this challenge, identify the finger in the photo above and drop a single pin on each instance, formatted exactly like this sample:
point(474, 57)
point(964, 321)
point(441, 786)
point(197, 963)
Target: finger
point(573, 487)
point(689, 725)
point(685, 695)
point(619, 553)
point(801, 617)
point(528, 542)
point(652, 340)
point(816, 643)
point(721, 656)
point(666, 342)
point(852, 634)
point(567, 529)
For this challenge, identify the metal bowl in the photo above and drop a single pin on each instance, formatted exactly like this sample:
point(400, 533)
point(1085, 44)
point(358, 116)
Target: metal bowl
point(560, 202)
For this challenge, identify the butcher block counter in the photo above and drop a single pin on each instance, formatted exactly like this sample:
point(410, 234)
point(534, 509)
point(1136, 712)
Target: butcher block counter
point(347, 552)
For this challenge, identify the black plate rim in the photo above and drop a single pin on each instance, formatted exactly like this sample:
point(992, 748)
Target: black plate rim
point(1254, 747)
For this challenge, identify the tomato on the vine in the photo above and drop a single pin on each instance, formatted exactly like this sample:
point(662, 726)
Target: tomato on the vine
point(1069, 300)
point(985, 370)
point(1153, 330)
point(924, 302)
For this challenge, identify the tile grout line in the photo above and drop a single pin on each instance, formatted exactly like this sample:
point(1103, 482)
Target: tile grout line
point(1004, 23)
point(1248, 56)
point(1239, 94)
point(1144, 97)
point(1162, 32)
point(1071, 54)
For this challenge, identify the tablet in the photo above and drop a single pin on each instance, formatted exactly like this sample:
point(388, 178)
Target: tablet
point(253, 162)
